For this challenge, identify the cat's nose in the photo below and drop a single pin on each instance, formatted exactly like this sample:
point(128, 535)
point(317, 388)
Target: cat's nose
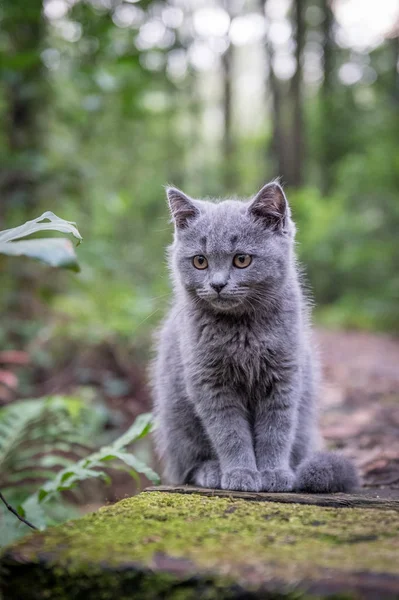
point(218, 287)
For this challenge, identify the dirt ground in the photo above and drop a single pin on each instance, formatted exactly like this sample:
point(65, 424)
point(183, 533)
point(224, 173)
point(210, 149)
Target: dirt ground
point(360, 401)
point(359, 412)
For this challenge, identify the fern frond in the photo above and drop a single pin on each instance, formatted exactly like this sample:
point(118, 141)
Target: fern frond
point(116, 455)
point(37, 436)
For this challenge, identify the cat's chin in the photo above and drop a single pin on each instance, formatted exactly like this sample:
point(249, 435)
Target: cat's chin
point(225, 304)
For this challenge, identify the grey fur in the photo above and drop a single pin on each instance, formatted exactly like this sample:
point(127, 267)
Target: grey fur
point(235, 375)
point(326, 472)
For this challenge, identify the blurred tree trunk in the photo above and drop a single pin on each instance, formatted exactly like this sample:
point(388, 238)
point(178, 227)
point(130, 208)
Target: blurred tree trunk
point(24, 102)
point(25, 99)
point(327, 109)
point(228, 142)
point(278, 143)
point(394, 42)
point(275, 95)
point(298, 138)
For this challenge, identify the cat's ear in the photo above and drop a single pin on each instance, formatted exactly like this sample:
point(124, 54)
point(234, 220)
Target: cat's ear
point(182, 208)
point(271, 207)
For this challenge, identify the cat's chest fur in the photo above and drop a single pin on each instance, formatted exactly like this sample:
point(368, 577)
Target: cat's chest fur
point(241, 353)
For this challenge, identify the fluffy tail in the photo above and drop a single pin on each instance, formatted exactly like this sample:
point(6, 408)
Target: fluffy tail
point(326, 472)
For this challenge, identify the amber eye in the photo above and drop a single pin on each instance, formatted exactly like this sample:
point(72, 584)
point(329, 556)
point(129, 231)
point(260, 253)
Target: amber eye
point(242, 260)
point(200, 262)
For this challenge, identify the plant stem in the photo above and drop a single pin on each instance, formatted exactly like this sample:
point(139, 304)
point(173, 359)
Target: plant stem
point(14, 512)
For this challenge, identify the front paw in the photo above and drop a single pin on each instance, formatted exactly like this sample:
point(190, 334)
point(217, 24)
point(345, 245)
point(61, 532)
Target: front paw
point(244, 480)
point(277, 480)
point(208, 474)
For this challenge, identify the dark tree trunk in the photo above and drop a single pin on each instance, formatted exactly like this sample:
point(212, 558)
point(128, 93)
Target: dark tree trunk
point(298, 138)
point(25, 96)
point(25, 93)
point(278, 144)
point(230, 171)
point(230, 177)
point(274, 94)
point(327, 109)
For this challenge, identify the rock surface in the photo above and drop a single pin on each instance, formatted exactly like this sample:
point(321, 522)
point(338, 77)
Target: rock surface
point(183, 546)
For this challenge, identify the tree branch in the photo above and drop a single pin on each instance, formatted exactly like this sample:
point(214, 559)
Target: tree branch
point(14, 512)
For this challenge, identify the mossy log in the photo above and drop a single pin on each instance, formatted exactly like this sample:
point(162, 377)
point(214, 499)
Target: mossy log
point(183, 546)
point(387, 499)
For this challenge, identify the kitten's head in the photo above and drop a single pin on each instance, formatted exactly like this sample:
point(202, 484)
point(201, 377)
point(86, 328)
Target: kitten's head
point(232, 256)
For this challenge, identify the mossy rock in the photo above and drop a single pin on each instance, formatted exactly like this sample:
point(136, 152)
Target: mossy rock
point(181, 547)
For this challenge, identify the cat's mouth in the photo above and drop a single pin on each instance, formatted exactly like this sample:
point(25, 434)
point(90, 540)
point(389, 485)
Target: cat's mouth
point(224, 303)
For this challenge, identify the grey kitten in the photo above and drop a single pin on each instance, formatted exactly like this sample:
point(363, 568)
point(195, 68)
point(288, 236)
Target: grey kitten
point(235, 376)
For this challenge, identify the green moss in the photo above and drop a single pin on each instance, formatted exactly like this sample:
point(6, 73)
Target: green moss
point(175, 537)
point(218, 531)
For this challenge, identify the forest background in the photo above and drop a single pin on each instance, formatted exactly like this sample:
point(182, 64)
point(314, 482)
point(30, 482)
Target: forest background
point(103, 102)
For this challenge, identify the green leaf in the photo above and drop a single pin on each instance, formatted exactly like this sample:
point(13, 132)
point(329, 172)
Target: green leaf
point(56, 252)
point(142, 426)
point(138, 466)
point(48, 221)
point(41, 495)
point(66, 476)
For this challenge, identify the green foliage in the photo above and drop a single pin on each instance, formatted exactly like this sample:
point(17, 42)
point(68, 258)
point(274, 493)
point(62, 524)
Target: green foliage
point(37, 437)
point(56, 252)
point(92, 119)
point(348, 245)
point(91, 467)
